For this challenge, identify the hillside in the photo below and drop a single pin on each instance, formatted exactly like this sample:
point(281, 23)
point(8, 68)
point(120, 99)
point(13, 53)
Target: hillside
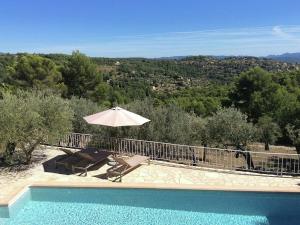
point(287, 57)
point(168, 74)
point(196, 84)
point(164, 74)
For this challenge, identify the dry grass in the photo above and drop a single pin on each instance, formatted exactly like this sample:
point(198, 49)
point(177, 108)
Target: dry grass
point(258, 147)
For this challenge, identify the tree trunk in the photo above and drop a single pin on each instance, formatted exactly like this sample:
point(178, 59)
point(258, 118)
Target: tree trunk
point(193, 156)
point(9, 151)
point(28, 151)
point(298, 148)
point(28, 157)
point(248, 158)
point(267, 146)
point(204, 153)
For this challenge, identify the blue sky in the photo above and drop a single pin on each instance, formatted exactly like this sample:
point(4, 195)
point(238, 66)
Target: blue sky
point(150, 28)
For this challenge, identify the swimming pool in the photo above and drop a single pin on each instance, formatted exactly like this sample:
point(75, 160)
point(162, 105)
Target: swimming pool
point(50, 205)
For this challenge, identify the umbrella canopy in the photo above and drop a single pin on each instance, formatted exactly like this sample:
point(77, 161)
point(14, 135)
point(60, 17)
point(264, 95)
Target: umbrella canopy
point(116, 117)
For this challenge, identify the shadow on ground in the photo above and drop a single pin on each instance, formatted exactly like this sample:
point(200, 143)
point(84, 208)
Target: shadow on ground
point(17, 165)
point(102, 176)
point(50, 167)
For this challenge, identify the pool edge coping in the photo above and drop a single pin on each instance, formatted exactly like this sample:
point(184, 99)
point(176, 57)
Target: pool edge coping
point(160, 186)
point(14, 196)
point(21, 190)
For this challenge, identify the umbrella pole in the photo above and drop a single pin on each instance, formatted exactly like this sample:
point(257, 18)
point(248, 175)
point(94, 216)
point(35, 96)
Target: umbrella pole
point(116, 137)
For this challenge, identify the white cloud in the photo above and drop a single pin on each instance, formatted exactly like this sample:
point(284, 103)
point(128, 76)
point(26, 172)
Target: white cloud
point(257, 41)
point(287, 35)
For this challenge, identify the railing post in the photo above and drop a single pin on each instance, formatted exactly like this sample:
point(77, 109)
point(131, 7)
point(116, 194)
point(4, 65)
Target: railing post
point(281, 166)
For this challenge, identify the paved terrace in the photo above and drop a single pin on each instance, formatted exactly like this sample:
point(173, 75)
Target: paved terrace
point(155, 173)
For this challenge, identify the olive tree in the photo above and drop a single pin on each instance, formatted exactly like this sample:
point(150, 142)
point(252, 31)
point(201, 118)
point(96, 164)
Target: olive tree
point(168, 123)
point(83, 107)
point(31, 118)
point(199, 127)
point(229, 127)
point(268, 131)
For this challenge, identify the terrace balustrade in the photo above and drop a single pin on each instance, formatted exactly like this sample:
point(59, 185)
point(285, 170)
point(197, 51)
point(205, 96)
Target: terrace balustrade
point(216, 158)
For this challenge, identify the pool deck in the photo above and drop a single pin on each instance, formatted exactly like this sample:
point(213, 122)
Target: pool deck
point(155, 175)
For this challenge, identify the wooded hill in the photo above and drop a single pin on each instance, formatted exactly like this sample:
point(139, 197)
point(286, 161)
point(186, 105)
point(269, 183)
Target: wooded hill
point(168, 75)
point(266, 92)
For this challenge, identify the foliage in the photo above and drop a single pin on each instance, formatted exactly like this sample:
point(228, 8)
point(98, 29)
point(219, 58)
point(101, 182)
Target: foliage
point(168, 123)
point(5, 61)
point(294, 134)
point(203, 101)
point(83, 107)
point(196, 85)
point(200, 133)
point(268, 131)
point(254, 91)
point(228, 126)
point(165, 72)
point(80, 75)
point(258, 92)
point(31, 118)
point(33, 71)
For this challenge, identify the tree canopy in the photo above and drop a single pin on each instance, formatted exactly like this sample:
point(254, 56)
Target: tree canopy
point(228, 126)
point(31, 118)
point(81, 75)
point(33, 71)
point(268, 131)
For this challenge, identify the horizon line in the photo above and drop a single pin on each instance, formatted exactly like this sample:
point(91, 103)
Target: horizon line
point(157, 57)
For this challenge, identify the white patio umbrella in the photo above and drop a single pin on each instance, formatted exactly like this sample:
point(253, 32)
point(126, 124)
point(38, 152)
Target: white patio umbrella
point(116, 117)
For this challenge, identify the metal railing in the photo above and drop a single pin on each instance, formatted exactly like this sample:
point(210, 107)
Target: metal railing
point(229, 159)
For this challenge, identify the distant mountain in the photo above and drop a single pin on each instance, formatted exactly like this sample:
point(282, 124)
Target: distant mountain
point(171, 58)
point(287, 57)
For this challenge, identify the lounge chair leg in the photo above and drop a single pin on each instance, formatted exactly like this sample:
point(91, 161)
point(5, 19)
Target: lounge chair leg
point(120, 177)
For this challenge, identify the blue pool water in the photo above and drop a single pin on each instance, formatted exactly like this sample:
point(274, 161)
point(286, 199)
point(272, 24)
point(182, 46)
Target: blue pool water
point(78, 206)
